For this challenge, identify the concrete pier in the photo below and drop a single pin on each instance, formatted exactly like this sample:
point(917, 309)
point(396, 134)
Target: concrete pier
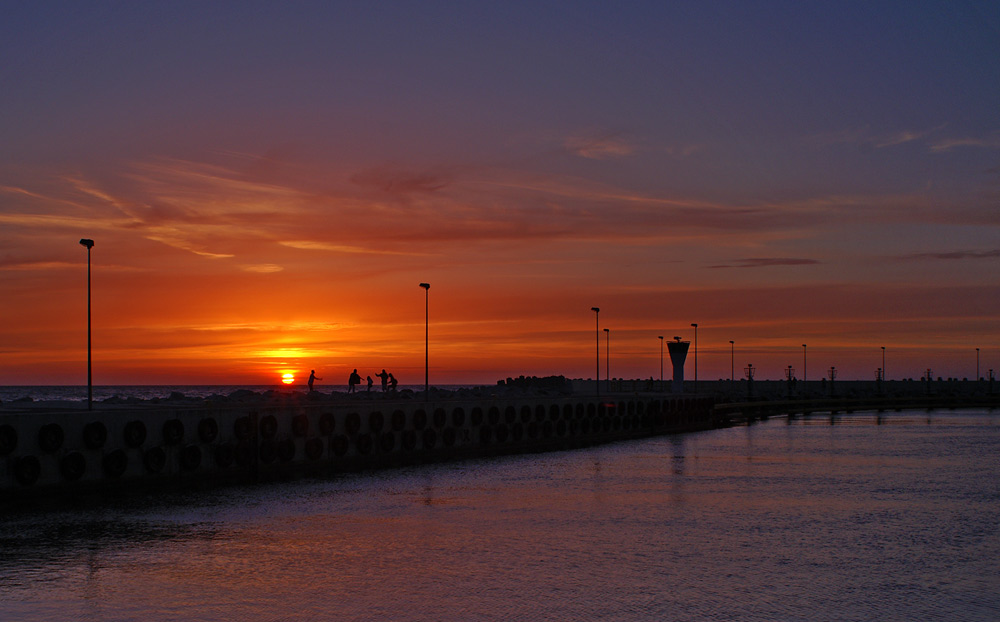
point(44, 452)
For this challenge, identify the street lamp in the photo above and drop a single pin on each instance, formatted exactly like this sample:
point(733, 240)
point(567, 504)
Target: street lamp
point(597, 320)
point(805, 376)
point(607, 358)
point(695, 325)
point(660, 337)
point(977, 364)
point(883, 362)
point(90, 379)
point(732, 364)
point(427, 386)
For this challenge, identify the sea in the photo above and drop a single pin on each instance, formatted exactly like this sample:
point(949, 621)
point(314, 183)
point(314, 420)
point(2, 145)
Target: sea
point(862, 516)
point(149, 392)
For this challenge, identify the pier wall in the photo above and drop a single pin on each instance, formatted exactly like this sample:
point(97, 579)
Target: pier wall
point(736, 390)
point(45, 452)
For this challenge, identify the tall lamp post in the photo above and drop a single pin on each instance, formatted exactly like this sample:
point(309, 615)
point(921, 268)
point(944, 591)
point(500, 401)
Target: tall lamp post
point(607, 358)
point(660, 337)
point(695, 325)
point(883, 362)
point(597, 320)
point(90, 379)
point(732, 364)
point(805, 376)
point(977, 364)
point(427, 375)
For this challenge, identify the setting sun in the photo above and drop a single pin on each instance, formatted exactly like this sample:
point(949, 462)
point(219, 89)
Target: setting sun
point(288, 378)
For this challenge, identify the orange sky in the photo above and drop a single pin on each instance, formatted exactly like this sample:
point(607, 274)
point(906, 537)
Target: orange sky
point(262, 214)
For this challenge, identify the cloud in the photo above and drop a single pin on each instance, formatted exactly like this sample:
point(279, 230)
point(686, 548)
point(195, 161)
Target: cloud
point(13, 265)
point(62, 221)
point(343, 248)
point(899, 138)
point(399, 182)
point(765, 262)
point(869, 139)
point(9, 265)
point(266, 268)
point(216, 212)
point(989, 142)
point(600, 147)
point(992, 254)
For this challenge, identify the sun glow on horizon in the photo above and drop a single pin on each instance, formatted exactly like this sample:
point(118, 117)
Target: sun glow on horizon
point(287, 378)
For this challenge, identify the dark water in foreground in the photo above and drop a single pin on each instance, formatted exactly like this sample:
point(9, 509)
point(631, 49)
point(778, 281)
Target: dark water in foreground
point(799, 521)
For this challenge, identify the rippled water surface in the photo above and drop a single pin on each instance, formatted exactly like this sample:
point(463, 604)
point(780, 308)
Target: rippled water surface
point(798, 520)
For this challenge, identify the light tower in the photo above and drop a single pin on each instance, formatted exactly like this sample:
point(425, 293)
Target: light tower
point(597, 372)
point(732, 364)
point(678, 353)
point(90, 379)
point(427, 384)
point(695, 326)
point(660, 337)
point(607, 358)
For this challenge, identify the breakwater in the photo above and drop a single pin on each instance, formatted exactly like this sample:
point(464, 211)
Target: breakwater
point(736, 412)
point(49, 451)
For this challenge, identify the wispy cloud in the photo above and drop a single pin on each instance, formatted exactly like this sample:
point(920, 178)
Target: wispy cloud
point(899, 138)
point(266, 268)
point(766, 262)
point(216, 212)
point(63, 221)
point(908, 135)
point(11, 265)
point(988, 142)
point(991, 254)
point(930, 137)
point(600, 147)
point(399, 182)
point(343, 248)
point(866, 137)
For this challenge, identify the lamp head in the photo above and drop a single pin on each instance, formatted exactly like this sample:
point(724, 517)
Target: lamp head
point(425, 285)
point(595, 309)
point(88, 243)
point(607, 330)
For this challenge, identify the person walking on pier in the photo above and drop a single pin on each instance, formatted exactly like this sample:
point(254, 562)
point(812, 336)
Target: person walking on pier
point(385, 380)
point(392, 383)
point(312, 379)
point(369, 384)
point(353, 380)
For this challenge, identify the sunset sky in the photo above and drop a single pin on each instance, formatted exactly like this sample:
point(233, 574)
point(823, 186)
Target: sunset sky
point(268, 183)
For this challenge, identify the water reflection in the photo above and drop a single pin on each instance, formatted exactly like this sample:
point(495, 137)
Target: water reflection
point(772, 521)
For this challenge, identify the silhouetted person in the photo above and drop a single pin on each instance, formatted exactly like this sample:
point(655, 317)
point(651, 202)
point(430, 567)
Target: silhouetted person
point(385, 379)
point(392, 382)
point(353, 380)
point(369, 384)
point(312, 378)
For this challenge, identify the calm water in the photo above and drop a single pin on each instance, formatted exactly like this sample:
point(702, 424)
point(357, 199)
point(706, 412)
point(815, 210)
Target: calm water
point(146, 392)
point(777, 521)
